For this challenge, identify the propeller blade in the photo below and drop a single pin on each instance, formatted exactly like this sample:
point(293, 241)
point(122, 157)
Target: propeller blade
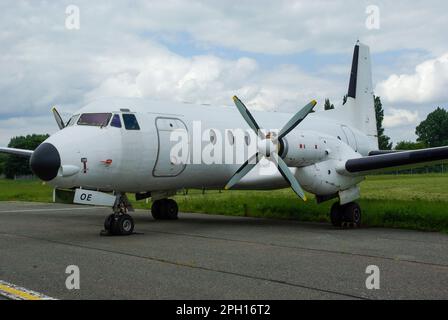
point(242, 171)
point(287, 174)
point(58, 118)
point(296, 119)
point(247, 116)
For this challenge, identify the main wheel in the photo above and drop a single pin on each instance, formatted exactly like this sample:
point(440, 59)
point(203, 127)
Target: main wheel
point(108, 222)
point(336, 215)
point(123, 225)
point(165, 209)
point(169, 209)
point(156, 209)
point(352, 214)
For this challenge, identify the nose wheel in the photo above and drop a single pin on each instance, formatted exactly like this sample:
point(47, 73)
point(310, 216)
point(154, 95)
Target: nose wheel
point(165, 209)
point(119, 223)
point(347, 215)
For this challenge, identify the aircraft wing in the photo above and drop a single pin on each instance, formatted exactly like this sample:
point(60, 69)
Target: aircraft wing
point(17, 152)
point(395, 161)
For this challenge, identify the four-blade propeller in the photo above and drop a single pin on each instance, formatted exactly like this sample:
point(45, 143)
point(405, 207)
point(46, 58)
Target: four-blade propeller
point(268, 146)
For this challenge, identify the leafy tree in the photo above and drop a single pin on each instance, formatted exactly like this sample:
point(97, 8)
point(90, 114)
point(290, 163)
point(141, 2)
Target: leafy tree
point(409, 145)
point(3, 158)
point(433, 131)
point(14, 165)
point(383, 140)
point(328, 105)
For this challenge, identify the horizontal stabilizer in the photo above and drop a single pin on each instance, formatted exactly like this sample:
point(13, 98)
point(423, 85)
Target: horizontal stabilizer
point(396, 160)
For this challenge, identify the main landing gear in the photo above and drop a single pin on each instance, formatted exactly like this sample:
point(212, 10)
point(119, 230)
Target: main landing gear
point(119, 223)
point(164, 209)
point(347, 215)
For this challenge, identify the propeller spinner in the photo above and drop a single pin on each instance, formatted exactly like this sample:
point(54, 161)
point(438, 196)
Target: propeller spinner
point(269, 145)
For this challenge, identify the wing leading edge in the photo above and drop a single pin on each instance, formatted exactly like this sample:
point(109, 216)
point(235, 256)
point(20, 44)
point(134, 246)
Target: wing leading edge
point(17, 152)
point(397, 160)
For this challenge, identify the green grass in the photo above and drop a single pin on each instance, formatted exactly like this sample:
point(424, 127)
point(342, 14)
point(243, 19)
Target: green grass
point(25, 190)
point(404, 201)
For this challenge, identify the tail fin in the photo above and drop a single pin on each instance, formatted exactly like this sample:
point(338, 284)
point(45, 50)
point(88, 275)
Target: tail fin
point(360, 99)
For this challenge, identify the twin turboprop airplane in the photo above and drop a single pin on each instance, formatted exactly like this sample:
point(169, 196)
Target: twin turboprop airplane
point(116, 146)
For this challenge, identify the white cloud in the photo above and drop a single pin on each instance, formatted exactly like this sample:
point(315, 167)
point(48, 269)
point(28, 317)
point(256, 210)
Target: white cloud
point(209, 79)
point(285, 26)
point(122, 49)
point(19, 126)
point(400, 117)
point(428, 83)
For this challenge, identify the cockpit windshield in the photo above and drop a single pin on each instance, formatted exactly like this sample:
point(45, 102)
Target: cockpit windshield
point(94, 119)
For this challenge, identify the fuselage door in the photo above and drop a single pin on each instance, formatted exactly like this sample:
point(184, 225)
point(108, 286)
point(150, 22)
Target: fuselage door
point(170, 164)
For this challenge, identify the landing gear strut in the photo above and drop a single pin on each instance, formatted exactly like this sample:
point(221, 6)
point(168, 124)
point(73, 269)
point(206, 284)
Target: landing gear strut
point(119, 222)
point(165, 209)
point(347, 215)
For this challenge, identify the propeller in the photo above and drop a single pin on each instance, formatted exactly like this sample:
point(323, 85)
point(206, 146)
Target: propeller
point(268, 146)
point(58, 118)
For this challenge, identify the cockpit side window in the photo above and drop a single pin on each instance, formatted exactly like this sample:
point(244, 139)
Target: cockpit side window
point(94, 119)
point(115, 122)
point(72, 120)
point(130, 122)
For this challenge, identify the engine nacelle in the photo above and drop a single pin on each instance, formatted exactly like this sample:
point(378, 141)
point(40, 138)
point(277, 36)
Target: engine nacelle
point(322, 179)
point(303, 149)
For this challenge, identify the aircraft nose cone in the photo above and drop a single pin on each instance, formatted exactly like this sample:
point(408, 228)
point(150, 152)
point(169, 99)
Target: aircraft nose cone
point(45, 162)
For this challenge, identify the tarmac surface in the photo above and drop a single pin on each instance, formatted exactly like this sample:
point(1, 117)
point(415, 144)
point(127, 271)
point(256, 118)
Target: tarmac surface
point(213, 257)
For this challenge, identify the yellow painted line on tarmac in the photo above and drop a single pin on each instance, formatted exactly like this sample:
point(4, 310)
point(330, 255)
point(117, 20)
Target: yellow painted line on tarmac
point(14, 292)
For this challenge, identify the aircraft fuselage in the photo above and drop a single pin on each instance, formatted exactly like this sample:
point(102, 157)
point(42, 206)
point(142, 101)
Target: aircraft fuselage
point(113, 158)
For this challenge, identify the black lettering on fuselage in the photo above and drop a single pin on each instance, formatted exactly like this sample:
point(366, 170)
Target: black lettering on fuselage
point(86, 197)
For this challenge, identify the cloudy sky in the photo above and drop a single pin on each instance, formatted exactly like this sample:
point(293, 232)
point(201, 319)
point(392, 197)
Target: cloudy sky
point(275, 55)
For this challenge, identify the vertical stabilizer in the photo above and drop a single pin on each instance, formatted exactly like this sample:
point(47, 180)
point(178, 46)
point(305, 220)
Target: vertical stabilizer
point(360, 93)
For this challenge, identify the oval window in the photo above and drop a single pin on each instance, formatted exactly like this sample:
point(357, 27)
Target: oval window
point(231, 137)
point(247, 139)
point(212, 136)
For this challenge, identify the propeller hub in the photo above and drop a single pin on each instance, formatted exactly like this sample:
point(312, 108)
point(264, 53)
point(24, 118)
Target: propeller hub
point(267, 146)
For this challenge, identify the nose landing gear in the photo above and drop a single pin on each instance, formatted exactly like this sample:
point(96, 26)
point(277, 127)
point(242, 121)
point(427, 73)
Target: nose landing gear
point(119, 222)
point(165, 209)
point(347, 215)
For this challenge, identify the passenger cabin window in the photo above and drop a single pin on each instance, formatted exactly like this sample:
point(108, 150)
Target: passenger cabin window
point(130, 122)
point(115, 122)
point(94, 119)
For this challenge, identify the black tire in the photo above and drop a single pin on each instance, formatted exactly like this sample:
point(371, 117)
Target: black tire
point(123, 225)
point(171, 209)
point(336, 215)
point(108, 222)
point(165, 209)
point(352, 214)
point(156, 209)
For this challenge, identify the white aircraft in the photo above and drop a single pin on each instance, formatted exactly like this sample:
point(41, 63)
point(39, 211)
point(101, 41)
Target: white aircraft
point(116, 146)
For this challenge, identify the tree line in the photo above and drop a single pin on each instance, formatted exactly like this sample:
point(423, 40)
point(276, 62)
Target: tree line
point(12, 166)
